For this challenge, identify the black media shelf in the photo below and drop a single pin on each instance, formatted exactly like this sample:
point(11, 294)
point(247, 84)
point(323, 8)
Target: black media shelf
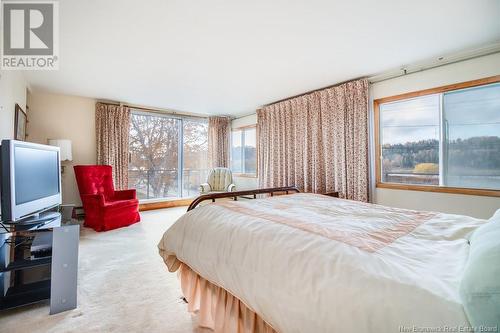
point(26, 294)
point(31, 271)
point(27, 263)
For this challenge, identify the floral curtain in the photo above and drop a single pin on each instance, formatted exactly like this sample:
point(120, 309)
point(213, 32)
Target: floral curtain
point(317, 142)
point(112, 131)
point(218, 141)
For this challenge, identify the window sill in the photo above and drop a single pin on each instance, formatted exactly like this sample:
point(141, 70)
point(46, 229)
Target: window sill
point(440, 189)
point(151, 204)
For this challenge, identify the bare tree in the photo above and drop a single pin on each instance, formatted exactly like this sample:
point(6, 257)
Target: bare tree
point(154, 157)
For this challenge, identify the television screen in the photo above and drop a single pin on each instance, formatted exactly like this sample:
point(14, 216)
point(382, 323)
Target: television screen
point(30, 179)
point(37, 173)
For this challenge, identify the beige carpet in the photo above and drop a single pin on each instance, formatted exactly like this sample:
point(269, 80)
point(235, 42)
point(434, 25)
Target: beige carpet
point(123, 286)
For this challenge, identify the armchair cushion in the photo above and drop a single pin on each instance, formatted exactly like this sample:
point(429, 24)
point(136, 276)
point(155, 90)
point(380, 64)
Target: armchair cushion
point(105, 208)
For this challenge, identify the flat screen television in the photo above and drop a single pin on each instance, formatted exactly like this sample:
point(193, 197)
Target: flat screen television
point(30, 179)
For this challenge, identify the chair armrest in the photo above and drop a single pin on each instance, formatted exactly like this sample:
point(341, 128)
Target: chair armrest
point(231, 188)
point(205, 188)
point(90, 200)
point(125, 195)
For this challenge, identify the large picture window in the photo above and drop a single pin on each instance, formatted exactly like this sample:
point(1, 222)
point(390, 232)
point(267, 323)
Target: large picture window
point(168, 155)
point(244, 151)
point(442, 139)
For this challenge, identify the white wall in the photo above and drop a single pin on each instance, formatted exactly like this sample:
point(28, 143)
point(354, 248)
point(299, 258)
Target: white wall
point(53, 116)
point(244, 121)
point(245, 183)
point(477, 206)
point(12, 90)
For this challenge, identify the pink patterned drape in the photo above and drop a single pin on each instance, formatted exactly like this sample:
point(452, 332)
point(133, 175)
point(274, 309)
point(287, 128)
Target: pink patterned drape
point(218, 141)
point(317, 142)
point(112, 124)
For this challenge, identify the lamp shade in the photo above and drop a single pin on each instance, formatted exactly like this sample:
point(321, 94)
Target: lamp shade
point(65, 146)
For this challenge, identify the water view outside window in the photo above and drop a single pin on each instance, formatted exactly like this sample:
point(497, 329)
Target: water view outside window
point(410, 141)
point(161, 146)
point(250, 150)
point(244, 151)
point(450, 139)
point(236, 151)
point(472, 145)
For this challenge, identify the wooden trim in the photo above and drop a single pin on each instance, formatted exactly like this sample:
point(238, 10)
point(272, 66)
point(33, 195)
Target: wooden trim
point(19, 112)
point(378, 148)
point(236, 194)
point(164, 204)
point(440, 189)
point(437, 90)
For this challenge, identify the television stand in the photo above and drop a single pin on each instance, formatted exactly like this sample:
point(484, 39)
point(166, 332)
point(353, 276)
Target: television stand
point(37, 218)
point(39, 261)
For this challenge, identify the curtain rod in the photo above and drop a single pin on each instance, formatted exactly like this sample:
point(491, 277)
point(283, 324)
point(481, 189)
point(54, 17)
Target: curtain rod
point(154, 110)
point(312, 91)
point(409, 69)
point(433, 63)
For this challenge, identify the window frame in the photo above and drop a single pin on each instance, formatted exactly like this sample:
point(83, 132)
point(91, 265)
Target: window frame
point(378, 146)
point(242, 129)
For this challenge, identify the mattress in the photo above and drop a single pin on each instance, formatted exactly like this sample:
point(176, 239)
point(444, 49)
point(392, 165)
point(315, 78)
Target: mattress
point(313, 263)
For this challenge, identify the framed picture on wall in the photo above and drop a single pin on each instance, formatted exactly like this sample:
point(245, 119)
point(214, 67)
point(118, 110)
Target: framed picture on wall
point(20, 121)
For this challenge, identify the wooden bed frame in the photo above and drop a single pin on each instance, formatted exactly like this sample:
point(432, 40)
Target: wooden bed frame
point(236, 194)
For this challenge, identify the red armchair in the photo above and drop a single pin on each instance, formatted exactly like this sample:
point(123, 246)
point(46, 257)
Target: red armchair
point(105, 208)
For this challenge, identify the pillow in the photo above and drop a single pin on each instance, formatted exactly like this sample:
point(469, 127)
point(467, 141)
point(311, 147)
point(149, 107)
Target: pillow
point(480, 285)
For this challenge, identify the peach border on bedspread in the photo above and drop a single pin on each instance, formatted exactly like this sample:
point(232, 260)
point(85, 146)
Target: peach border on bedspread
point(218, 309)
point(395, 224)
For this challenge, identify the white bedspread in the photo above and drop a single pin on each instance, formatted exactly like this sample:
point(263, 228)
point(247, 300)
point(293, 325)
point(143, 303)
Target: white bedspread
point(312, 263)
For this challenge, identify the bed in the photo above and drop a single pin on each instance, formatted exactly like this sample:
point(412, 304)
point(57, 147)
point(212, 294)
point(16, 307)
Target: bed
point(313, 263)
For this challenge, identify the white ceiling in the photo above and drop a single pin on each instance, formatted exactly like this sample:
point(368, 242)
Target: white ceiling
point(229, 57)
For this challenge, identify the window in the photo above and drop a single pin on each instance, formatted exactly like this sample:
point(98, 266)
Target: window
point(444, 139)
point(167, 155)
point(410, 141)
point(195, 156)
point(244, 151)
point(472, 137)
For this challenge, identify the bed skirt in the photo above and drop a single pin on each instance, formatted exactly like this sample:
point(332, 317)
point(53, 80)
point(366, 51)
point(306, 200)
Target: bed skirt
point(217, 309)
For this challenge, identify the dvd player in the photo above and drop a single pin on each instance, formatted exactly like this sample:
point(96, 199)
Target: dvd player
point(41, 246)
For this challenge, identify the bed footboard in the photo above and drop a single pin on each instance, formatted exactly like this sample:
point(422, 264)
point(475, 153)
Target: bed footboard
point(271, 191)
